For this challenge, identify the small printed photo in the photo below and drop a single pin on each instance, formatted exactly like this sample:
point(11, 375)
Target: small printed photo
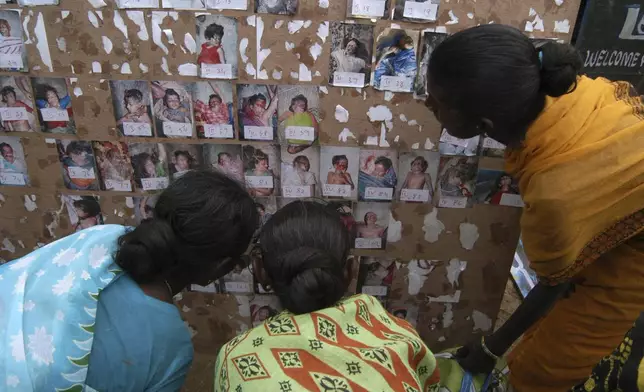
point(182, 158)
point(261, 169)
point(299, 116)
point(404, 310)
point(429, 41)
point(132, 103)
point(84, 211)
point(372, 220)
point(450, 145)
point(279, 7)
point(78, 165)
point(217, 41)
point(213, 109)
point(172, 108)
point(13, 169)
point(339, 171)
point(456, 181)
point(419, 170)
point(239, 280)
point(377, 179)
point(227, 158)
point(54, 105)
point(257, 107)
point(114, 166)
point(150, 164)
point(16, 105)
point(396, 64)
point(367, 9)
point(266, 207)
point(491, 148)
point(498, 188)
point(263, 307)
point(13, 56)
point(375, 276)
point(144, 207)
point(299, 172)
point(351, 48)
point(420, 11)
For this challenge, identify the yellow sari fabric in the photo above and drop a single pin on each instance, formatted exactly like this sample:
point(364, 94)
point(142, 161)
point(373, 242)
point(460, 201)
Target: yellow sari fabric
point(581, 175)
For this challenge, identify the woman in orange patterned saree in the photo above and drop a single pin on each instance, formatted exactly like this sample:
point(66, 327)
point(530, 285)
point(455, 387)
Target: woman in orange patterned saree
point(576, 146)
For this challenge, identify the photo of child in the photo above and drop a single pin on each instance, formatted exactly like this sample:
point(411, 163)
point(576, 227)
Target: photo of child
point(299, 172)
point(149, 161)
point(13, 169)
point(456, 181)
point(213, 109)
point(54, 104)
point(299, 116)
point(131, 100)
point(259, 175)
point(429, 41)
point(419, 11)
point(183, 158)
point(78, 165)
point(339, 171)
point(83, 211)
point(405, 311)
point(239, 280)
point(372, 220)
point(497, 188)
point(345, 209)
point(263, 307)
point(16, 105)
point(114, 166)
point(351, 48)
point(375, 276)
point(13, 56)
point(257, 106)
point(225, 158)
point(396, 67)
point(377, 178)
point(450, 145)
point(172, 108)
point(217, 41)
point(418, 185)
point(144, 207)
point(266, 207)
point(279, 7)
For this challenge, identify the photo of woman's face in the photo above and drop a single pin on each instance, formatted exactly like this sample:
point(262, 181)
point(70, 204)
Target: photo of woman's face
point(299, 107)
point(342, 165)
point(214, 102)
point(259, 107)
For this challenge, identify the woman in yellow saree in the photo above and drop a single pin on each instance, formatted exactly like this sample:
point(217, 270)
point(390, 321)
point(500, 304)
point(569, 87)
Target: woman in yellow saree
point(576, 146)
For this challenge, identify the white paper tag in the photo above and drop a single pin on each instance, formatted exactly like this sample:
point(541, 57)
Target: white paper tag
point(259, 181)
point(138, 3)
point(252, 132)
point(204, 289)
point(115, 185)
point(171, 128)
point(452, 202)
point(395, 83)
point(368, 243)
point(13, 114)
point(296, 191)
point(420, 195)
point(237, 287)
point(376, 291)
point(137, 129)
point(491, 143)
point(336, 190)
point(228, 4)
point(54, 114)
point(12, 179)
point(11, 61)
point(36, 2)
point(218, 131)
point(151, 184)
point(81, 173)
point(425, 11)
point(368, 8)
point(447, 138)
point(508, 199)
point(348, 79)
point(216, 71)
point(375, 193)
point(300, 133)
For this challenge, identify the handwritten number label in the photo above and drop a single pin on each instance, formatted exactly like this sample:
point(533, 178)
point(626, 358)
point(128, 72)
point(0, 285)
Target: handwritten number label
point(296, 191)
point(419, 195)
point(348, 79)
point(54, 114)
point(177, 129)
point(237, 287)
point(252, 132)
point(216, 71)
point(218, 131)
point(12, 179)
point(137, 129)
point(447, 138)
point(115, 185)
point(395, 83)
point(259, 181)
point(376, 291)
point(374, 193)
point(425, 11)
point(453, 202)
point(151, 184)
point(11, 61)
point(138, 3)
point(228, 4)
point(491, 143)
point(300, 133)
point(508, 199)
point(368, 8)
point(13, 114)
point(336, 190)
point(81, 173)
point(368, 243)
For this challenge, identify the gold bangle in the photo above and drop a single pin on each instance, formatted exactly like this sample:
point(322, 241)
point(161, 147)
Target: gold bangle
point(487, 350)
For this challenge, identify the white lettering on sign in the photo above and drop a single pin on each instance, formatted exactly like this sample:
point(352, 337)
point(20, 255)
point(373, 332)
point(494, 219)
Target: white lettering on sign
point(259, 181)
point(115, 185)
point(12, 179)
point(614, 58)
point(137, 129)
point(452, 202)
point(155, 183)
point(300, 133)
point(138, 3)
point(419, 195)
point(11, 61)
point(13, 114)
point(491, 143)
point(631, 24)
point(368, 243)
point(368, 8)
point(171, 128)
point(425, 11)
point(252, 132)
point(81, 173)
point(375, 193)
point(296, 191)
point(237, 287)
point(54, 114)
point(336, 190)
point(376, 291)
point(216, 71)
point(218, 131)
point(348, 79)
point(395, 83)
point(228, 4)
point(508, 199)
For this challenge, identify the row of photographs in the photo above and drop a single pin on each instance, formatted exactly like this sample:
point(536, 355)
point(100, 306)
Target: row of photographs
point(351, 173)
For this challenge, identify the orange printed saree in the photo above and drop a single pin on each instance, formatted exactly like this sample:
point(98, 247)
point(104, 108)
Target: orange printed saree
point(581, 174)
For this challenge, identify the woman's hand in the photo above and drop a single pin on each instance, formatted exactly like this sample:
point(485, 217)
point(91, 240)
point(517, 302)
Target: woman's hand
point(473, 358)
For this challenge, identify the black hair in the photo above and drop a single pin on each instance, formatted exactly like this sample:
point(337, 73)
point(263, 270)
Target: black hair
point(89, 205)
point(260, 206)
point(212, 30)
point(76, 147)
point(168, 92)
point(187, 155)
point(46, 88)
point(201, 219)
point(338, 158)
point(138, 162)
point(3, 145)
point(400, 311)
point(384, 161)
point(6, 90)
point(210, 98)
point(133, 93)
point(301, 98)
point(404, 40)
point(302, 159)
point(495, 72)
point(367, 213)
point(305, 248)
point(255, 98)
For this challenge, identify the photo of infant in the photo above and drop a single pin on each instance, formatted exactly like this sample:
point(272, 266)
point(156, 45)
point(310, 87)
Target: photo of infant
point(421, 171)
point(257, 107)
point(263, 307)
point(339, 171)
point(299, 172)
point(172, 108)
point(225, 158)
point(131, 100)
point(13, 169)
point(375, 276)
point(450, 145)
point(114, 166)
point(144, 207)
point(13, 56)
point(16, 105)
point(217, 42)
point(497, 188)
point(213, 109)
point(83, 211)
point(377, 178)
point(261, 179)
point(54, 105)
point(78, 165)
point(396, 64)
point(182, 158)
point(351, 48)
point(456, 181)
point(372, 220)
point(299, 116)
point(150, 163)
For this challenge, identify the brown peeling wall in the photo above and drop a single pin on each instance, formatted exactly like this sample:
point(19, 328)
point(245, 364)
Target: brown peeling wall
point(74, 33)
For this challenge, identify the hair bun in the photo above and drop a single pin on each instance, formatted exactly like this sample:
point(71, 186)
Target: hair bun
point(560, 66)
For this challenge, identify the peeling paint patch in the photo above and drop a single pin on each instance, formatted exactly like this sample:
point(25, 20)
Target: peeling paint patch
point(324, 89)
point(428, 144)
point(262, 54)
point(562, 26)
point(447, 298)
point(341, 114)
point(379, 113)
point(345, 135)
point(417, 276)
point(394, 231)
point(432, 226)
point(30, 203)
point(137, 18)
point(41, 41)
point(403, 117)
point(371, 141)
point(454, 269)
point(243, 45)
point(288, 46)
point(305, 74)
point(251, 20)
point(448, 316)
point(8, 245)
point(559, 3)
point(468, 235)
point(294, 26)
point(481, 321)
point(415, 146)
point(78, 91)
point(315, 50)
point(277, 74)
point(470, 15)
point(441, 29)
point(453, 19)
point(389, 96)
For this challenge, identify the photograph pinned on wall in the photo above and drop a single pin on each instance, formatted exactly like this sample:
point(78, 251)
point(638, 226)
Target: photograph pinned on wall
point(13, 168)
point(299, 116)
point(266, 207)
point(54, 105)
point(213, 110)
point(132, 103)
point(150, 164)
point(491, 148)
point(184, 4)
point(114, 166)
point(16, 105)
point(351, 48)
point(339, 168)
point(239, 280)
point(172, 108)
point(419, 170)
point(420, 11)
point(345, 209)
point(396, 64)
point(227, 158)
point(497, 188)
point(372, 221)
point(450, 145)
point(144, 207)
point(13, 55)
point(367, 9)
point(261, 169)
point(299, 172)
point(377, 178)
point(182, 158)
point(456, 181)
point(257, 107)
point(278, 7)
point(263, 307)
point(404, 310)
point(217, 42)
point(375, 276)
point(83, 211)
point(78, 165)
point(428, 42)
